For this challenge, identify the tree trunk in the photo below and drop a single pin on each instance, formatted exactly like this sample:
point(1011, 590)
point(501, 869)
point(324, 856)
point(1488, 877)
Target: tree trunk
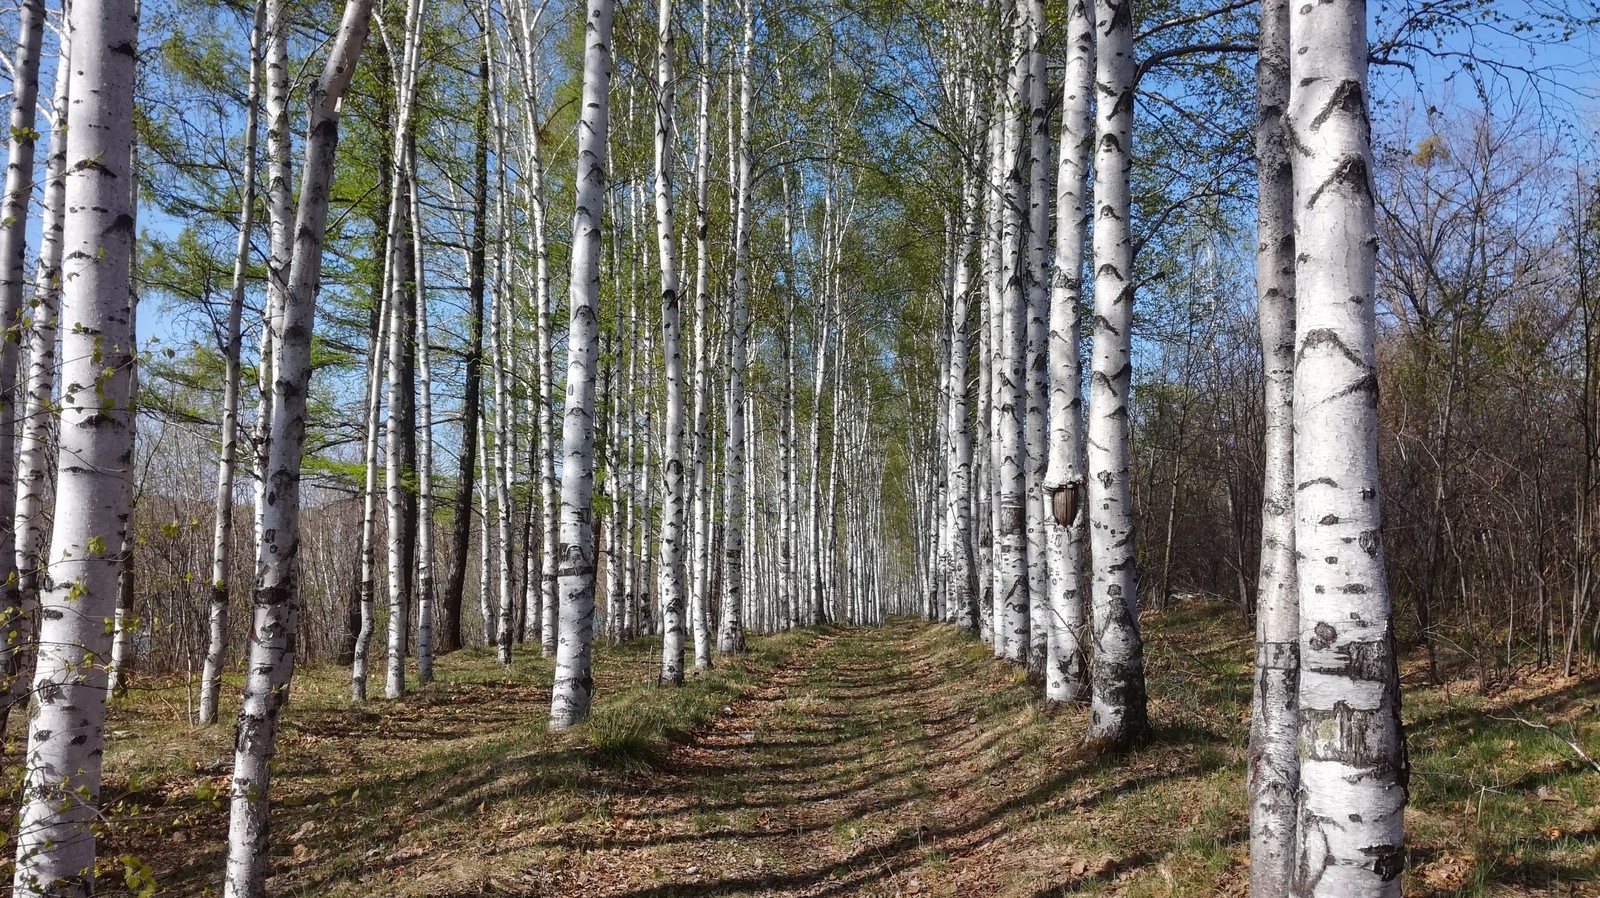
point(673, 588)
point(574, 684)
point(33, 454)
point(1011, 556)
point(461, 535)
point(13, 276)
point(1274, 768)
point(94, 486)
point(732, 639)
point(1353, 768)
point(424, 382)
point(1066, 672)
point(1118, 716)
point(277, 557)
point(699, 599)
point(222, 507)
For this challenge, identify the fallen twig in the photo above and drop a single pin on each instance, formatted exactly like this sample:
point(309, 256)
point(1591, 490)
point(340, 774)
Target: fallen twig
point(1572, 744)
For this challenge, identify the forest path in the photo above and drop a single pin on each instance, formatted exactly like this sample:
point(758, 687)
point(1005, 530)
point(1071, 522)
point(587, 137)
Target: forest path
point(875, 764)
point(900, 760)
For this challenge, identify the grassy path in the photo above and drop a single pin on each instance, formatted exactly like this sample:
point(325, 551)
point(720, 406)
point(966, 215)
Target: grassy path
point(900, 761)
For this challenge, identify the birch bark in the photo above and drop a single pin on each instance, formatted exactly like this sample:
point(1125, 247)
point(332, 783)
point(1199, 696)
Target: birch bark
point(33, 453)
point(574, 685)
point(1353, 767)
point(1117, 702)
point(13, 276)
point(672, 531)
point(1011, 564)
point(1066, 674)
point(55, 844)
point(699, 580)
point(222, 506)
point(1274, 768)
point(277, 557)
point(731, 639)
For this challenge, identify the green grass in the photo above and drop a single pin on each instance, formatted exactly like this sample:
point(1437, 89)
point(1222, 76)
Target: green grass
point(850, 762)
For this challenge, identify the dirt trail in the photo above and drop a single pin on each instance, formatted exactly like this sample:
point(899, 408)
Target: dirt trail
point(859, 770)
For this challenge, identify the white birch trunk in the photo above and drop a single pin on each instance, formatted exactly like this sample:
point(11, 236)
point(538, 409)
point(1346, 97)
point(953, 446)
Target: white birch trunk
point(574, 685)
point(1011, 541)
point(227, 462)
point(486, 604)
point(33, 455)
point(995, 293)
point(280, 235)
point(277, 557)
point(1274, 768)
point(1037, 375)
point(1066, 674)
point(425, 498)
point(672, 586)
point(549, 619)
point(1117, 702)
point(731, 639)
point(55, 843)
point(1353, 768)
point(13, 276)
point(367, 588)
point(699, 576)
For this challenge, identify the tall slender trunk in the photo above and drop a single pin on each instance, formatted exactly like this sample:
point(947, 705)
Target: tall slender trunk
point(1066, 673)
point(1118, 715)
point(367, 587)
point(1353, 767)
point(1011, 540)
point(995, 247)
point(788, 597)
point(731, 639)
point(94, 487)
point(673, 588)
point(500, 352)
point(424, 381)
point(280, 238)
point(1274, 769)
point(401, 422)
point(277, 557)
point(544, 395)
point(574, 685)
point(699, 599)
point(486, 603)
point(13, 276)
point(222, 506)
point(34, 463)
point(461, 535)
point(1037, 375)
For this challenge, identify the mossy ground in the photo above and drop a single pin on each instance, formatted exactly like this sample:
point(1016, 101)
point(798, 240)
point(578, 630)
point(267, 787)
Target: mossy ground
point(893, 761)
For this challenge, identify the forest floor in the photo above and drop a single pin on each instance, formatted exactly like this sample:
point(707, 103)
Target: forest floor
point(866, 762)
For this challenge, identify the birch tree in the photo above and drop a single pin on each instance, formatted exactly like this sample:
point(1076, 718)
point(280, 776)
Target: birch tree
point(33, 453)
point(277, 556)
point(699, 575)
point(227, 461)
point(1066, 675)
point(1117, 708)
point(731, 638)
point(13, 276)
point(673, 588)
point(1353, 769)
point(1011, 538)
point(1274, 755)
point(55, 843)
point(574, 685)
